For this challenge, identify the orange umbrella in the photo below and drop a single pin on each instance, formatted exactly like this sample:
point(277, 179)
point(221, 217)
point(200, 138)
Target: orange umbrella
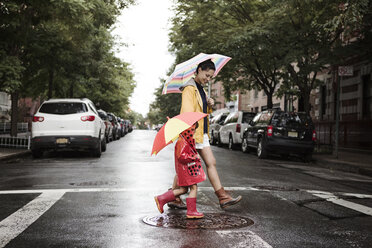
point(173, 127)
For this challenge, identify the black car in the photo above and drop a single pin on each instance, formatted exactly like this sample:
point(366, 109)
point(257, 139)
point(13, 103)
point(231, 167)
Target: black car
point(280, 132)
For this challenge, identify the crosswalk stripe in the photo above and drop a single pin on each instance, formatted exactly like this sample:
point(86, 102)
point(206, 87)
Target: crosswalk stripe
point(17, 222)
point(348, 204)
point(249, 239)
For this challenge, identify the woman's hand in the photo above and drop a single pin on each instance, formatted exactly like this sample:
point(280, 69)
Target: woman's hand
point(210, 102)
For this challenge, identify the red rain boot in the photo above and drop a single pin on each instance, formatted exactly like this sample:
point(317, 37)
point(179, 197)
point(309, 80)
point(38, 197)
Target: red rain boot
point(163, 199)
point(192, 213)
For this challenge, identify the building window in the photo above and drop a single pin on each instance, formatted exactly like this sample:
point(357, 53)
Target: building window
point(350, 88)
point(367, 97)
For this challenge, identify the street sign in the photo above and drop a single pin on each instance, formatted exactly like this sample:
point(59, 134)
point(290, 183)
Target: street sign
point(345, 71)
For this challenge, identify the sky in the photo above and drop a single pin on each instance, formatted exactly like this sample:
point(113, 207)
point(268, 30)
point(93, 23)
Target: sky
point(144, 28)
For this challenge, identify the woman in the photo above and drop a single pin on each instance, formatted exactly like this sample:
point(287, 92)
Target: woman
point(194, 99)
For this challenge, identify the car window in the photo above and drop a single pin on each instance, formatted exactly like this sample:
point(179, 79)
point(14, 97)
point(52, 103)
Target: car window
point(233, 117)
point(222, 120)
point(92, 108)
point(265, 118)
point(255, 119)
point(247, 117)
point(63, 108)
point(291, 119)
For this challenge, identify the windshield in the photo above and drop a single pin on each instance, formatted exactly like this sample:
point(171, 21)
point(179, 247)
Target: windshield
point(63, 108)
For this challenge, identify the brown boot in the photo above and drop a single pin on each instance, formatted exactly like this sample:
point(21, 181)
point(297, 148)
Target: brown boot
point(225, 199)
point(177, 204)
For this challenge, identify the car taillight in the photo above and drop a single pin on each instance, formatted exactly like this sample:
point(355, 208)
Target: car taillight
point(37, 119)
point(106, 124)
point(269, 131)
point(314, 136)
point(88, 118)
point(238, 128)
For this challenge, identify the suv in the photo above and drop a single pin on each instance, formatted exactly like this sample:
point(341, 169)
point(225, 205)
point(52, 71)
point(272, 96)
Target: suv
point(276, 131)
point(231, 132)
point(108, 129)
point(215, 125)
point(67, 123)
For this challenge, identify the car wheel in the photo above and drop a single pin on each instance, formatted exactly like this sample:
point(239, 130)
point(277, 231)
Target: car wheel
point(261, 150)
point(245, 147)
point(103, 145)
point(213, 140)
point(219, 141)
point(307, 157)
point(231, 143)
point(98, 150)
point(37, 153)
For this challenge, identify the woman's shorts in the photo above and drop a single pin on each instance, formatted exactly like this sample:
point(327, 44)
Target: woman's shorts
point(204, 144)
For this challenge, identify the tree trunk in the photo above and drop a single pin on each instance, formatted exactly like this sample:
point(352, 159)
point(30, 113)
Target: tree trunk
point(14, 114)
point(50, 83)
point(306, 101)
point(269, 102)
point(72, 90)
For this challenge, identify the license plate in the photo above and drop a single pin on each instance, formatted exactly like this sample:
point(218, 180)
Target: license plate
point(62, 141)
point(293, 134)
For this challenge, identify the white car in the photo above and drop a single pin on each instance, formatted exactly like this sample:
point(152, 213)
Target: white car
point(67, 124)
point(231, 132)
point(215, 126)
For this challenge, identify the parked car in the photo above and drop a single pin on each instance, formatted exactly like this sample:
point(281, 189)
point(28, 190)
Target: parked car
point(67, 124)
point(108, 126)
point(285, 133)
point(115, 126)
point(215, 125)
point(130, 126)
point(231, 132)
point(122, 126)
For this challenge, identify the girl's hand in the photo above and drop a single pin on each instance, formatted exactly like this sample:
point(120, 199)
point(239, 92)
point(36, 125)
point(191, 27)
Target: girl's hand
point(210, 102)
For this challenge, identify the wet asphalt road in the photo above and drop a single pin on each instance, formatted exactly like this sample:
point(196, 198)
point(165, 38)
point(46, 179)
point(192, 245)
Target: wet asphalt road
point(69, 199)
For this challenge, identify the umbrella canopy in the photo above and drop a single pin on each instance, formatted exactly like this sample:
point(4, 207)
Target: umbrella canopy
point(184, 71)
point(173, 127)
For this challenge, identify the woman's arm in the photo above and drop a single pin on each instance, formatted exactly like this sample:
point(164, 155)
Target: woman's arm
point(188, 98)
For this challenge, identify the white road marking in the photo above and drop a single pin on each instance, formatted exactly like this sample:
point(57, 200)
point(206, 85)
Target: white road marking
point(249, 239)
point(348, 204)
point(17, 222)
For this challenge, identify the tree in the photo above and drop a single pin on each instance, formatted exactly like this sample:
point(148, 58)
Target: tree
point(164, 106)
point(63, 49)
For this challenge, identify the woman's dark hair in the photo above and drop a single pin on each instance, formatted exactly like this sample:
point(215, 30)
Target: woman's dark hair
point(206, 65)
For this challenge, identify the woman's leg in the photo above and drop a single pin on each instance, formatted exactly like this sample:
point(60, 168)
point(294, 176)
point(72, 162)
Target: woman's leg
point(210, 161)
point(224, 198)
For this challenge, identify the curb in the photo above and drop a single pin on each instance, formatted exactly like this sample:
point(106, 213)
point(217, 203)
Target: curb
point(15, 155)
point(343, 166)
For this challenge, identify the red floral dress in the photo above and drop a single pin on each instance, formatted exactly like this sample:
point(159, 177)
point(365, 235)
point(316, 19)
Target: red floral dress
point(188, 165)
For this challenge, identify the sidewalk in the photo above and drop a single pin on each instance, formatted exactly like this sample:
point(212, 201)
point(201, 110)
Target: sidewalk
point(349, 160)
point(9, 153)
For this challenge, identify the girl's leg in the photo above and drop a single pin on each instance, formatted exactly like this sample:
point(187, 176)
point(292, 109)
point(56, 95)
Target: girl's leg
point(193, 191)
point(180, 191)
point(178, 203)
point(224, 198)
point(192, 213)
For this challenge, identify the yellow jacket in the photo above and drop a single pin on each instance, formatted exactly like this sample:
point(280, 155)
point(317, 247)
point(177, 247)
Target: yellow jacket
point(192, 102)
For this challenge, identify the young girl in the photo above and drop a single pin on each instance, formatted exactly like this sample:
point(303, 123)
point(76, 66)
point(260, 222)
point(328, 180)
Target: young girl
point(189, 171)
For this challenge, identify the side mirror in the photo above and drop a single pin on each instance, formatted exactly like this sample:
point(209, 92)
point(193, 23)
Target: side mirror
point(250, 122)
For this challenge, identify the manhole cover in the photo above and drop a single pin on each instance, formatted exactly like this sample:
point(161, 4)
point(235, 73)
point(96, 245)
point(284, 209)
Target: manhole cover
point(94, 183)
point(210, 221)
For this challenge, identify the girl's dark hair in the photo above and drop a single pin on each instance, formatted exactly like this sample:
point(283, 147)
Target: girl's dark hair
point(206, 65)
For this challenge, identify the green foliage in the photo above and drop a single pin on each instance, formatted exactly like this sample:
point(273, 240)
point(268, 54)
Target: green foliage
point(164, 106)
point(64, 49)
